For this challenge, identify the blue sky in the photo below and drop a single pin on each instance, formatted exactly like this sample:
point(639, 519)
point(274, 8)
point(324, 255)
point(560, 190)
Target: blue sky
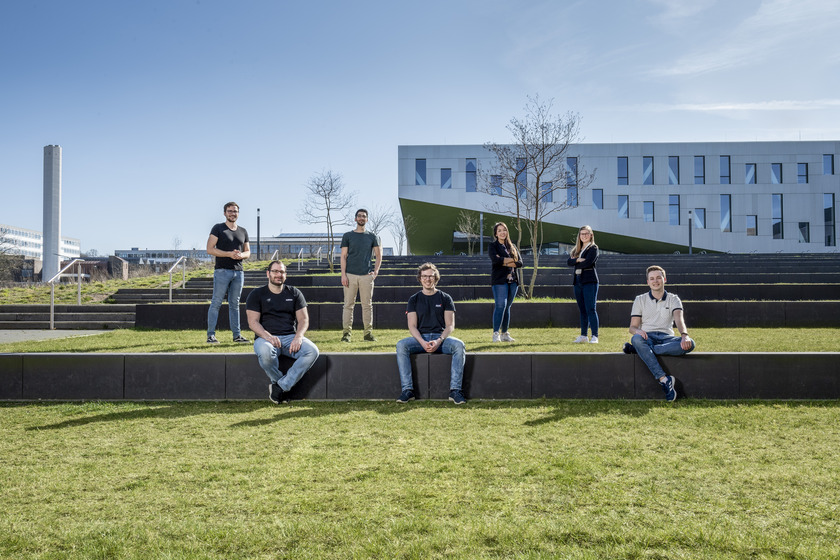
point(165, 110)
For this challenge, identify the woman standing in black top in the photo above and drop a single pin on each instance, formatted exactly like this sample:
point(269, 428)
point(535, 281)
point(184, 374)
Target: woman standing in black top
point(503, 280)
point(583, 258)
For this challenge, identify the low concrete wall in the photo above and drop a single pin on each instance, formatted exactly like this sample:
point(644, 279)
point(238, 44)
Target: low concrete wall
point(720, 314)
point(114, 377)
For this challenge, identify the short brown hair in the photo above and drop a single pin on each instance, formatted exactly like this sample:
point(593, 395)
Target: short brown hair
point(655, 267)
point(429, 266)
point(272, 263)
point(229, 204)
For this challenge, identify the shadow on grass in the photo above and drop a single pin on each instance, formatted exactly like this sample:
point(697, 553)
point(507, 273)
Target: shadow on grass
point(558, 410)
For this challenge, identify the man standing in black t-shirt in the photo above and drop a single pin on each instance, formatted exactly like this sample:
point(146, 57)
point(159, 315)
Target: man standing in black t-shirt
point(229, 243)
point(431, 320)
point(277, 315)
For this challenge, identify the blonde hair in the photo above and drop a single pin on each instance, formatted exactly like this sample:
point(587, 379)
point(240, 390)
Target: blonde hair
point(579, 245)
point(510, 246)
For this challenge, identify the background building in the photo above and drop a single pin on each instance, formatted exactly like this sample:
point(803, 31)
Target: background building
point(738, 196)
point(30, 243)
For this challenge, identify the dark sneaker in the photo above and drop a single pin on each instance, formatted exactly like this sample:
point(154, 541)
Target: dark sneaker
point(668, 387)
point(405, 396)
point(369, 337)
point(277, 394)
point(629, 348)
point(457, 397)
point(212, 339)
point(241, 340)
point(345, 337)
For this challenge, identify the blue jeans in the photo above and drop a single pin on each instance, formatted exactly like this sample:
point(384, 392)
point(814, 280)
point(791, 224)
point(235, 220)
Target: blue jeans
point(225, 282)
point(587, 298)
point(503, 294)
point(451, 345)
point(657, 344)
point(267, 354)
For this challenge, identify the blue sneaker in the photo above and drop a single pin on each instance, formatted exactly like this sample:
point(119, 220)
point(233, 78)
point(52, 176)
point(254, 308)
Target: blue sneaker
point(457, 396)
point(668, 387)
point(277, 395)
point(405, 396)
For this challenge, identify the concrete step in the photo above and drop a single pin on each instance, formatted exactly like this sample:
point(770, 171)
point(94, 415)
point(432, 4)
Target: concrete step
point(66, 325)
point(121, 317)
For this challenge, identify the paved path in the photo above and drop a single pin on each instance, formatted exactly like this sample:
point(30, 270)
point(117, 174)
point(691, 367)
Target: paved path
point(24, 335)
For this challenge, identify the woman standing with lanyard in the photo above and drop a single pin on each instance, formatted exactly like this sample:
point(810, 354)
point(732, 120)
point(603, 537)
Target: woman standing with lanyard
point(504, 280)
point(583, 258)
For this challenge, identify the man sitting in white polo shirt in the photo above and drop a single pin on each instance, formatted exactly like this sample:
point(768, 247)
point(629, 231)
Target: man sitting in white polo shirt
point(652, 319)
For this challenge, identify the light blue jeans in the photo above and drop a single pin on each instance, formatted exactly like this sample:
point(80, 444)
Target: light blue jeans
point(225, 282)
point(267, 354)
point(451, 345)
point(657, 344)
point(503, 294)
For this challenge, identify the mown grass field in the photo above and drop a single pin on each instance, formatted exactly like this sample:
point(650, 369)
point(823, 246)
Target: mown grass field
point(537, 479)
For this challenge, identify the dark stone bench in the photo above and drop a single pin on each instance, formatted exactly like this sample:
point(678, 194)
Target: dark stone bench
point(140, 377)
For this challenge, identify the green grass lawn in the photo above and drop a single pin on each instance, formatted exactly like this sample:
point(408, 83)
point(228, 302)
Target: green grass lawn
point(477, 340)
point(538, 479)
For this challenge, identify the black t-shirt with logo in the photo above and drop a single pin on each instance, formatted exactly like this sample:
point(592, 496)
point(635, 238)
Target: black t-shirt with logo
point(277, 311)
point(429, 309)
point(229, 240)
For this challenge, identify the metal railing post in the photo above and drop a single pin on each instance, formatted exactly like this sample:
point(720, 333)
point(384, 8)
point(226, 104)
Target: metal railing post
point(79, 278)
point(180, 260)
point(300, 258)
point(51, 282)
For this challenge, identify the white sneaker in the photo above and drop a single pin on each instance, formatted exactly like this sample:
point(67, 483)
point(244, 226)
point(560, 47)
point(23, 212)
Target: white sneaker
point(496, 337)
point(507, 338)
point(580, 339)
point(593, 340)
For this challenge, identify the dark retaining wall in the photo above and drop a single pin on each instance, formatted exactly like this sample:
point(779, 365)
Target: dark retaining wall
point(31, 377)
point(720, 314)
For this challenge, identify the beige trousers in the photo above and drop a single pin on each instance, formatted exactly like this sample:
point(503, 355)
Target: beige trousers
point(363, 285)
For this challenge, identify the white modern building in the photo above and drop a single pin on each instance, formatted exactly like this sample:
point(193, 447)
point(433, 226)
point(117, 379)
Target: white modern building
point(739, 197)
point(30, 243)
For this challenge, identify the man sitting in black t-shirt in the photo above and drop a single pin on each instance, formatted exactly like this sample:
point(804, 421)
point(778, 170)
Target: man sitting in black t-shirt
point(431, 320)
point(277, 314)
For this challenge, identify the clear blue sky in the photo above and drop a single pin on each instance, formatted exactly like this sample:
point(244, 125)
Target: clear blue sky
point(166, 109)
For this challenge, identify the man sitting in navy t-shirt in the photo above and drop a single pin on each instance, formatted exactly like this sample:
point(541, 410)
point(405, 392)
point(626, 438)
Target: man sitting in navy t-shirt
point(277, 314)
point(431, 320)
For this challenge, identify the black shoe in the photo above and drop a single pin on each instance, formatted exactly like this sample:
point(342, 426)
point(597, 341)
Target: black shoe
point(405, 396)
point(457, 396)
point(369, 337)
point(242, 340)
point(277, 394)
point(629, 348)
point(212, 339)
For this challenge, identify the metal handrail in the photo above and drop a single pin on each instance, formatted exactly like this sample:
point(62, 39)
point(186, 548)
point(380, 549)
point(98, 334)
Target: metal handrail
point(300, 258)
point(275, 255)
point(181, 259)
point(51, 282)
point(318, 255)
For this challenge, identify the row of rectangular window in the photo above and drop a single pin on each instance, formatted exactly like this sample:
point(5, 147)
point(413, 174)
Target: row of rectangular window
point(777, 215)
point(623, 174)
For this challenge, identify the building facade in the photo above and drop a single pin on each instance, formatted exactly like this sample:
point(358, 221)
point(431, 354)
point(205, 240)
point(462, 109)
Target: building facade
point(738, 197)
point(30, 243)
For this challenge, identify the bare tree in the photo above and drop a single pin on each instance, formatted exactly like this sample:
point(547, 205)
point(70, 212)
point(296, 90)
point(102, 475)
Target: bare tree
point(467, 223)
point(537, 172)
point(9, 261)
point(400, 230)
point(327, 202)
point(380, 218)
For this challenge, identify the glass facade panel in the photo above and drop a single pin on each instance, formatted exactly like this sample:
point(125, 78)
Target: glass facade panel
point(750, 177)
point(801, 173)
point(725, 212)
point(700, 218)
point(571, 171)
point(521, 177)
point(472, 169)
point(647, 170)
point(725, 171)
point(623, 206)
point(804, 232)
point(828, 211)
point(752, 225)
point(623, 175)
point(777, 216)
point(446, 178)
point(598, 199)
point(776, 173)
point(699, 170)
point(496, 184)
point(547, 192)
point(673, 170)
point(828, 164)
point(420, 172)
point(674, 209)
point(648, 211)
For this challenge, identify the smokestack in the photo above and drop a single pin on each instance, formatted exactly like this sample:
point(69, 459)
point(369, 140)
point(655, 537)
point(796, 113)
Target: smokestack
point(52, 212)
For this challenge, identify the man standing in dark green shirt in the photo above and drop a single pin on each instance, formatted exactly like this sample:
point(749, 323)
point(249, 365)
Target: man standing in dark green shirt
point(357, 274)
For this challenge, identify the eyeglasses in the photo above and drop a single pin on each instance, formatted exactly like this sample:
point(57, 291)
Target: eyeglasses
point(427, 276)
point(277, 271)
